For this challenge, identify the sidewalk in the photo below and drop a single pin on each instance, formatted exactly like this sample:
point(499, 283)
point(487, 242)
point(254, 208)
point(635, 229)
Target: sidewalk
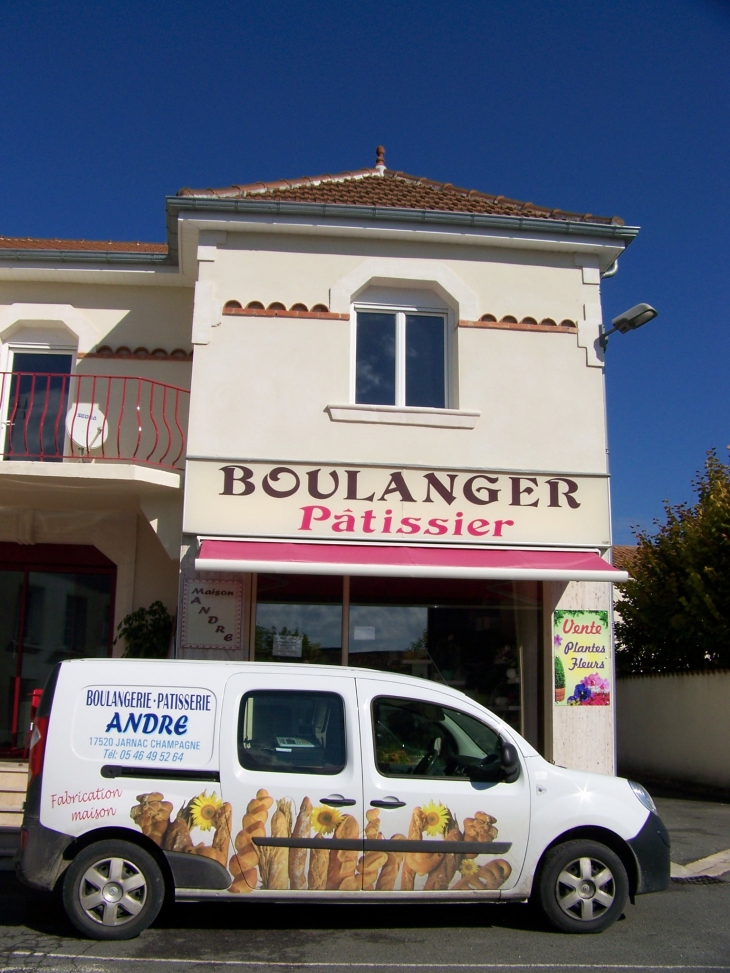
point(698, 829)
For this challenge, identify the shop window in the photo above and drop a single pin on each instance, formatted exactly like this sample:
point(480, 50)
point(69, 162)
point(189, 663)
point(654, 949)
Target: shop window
point(298, 619)
point(401, 359)
point(417, 739)
point(473, 636)
point(292, 732)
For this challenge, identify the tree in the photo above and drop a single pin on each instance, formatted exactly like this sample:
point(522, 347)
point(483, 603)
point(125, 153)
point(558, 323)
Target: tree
point(147, 632)
point(675, 614)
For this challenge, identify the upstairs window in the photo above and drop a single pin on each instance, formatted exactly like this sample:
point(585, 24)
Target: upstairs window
point(401, 359)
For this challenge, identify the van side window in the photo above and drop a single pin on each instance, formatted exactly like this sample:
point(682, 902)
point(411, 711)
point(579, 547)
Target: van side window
point(419, 739)
point(292, 732)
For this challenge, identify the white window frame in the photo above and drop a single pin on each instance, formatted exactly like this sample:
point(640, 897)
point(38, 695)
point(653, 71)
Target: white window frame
point(400, 312)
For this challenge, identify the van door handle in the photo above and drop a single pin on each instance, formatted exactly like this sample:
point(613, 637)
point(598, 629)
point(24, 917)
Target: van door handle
point(394, 802)
point(337, 800)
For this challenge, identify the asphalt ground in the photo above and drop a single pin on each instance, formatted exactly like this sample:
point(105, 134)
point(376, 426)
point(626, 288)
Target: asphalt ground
point(685, 928)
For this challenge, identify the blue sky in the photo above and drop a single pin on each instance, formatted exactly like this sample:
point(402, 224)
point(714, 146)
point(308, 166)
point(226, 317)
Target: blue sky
point(612, 108)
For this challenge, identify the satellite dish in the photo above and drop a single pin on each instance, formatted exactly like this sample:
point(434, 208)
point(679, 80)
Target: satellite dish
point(86, 426)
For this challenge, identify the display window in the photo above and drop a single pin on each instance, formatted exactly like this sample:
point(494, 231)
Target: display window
point(478, 636)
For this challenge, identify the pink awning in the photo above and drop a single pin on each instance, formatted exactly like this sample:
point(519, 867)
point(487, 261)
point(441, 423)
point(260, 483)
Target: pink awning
point(282, 557)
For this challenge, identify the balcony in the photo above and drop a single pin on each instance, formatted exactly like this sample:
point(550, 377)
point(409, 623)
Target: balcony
point(95, 420)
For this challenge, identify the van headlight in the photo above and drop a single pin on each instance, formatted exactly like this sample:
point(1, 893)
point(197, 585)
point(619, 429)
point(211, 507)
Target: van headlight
point(643, 795)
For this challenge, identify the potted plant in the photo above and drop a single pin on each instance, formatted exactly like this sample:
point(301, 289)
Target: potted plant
point(559, 680)
point(147, 632)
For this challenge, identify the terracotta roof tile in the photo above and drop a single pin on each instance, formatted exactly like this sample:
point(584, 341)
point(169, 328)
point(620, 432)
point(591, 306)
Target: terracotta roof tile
point(624, 556)
point(96, 246)
point(387, 187)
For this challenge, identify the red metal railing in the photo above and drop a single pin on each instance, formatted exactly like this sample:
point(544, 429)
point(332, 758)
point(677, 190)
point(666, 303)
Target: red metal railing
point(55, 417)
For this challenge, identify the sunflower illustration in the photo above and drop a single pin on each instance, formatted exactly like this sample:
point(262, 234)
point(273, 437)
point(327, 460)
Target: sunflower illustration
point(468, 867)
point(325, 819)
point(203, 810)
point(437, 817)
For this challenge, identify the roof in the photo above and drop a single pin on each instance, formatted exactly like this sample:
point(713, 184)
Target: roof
point(81, 246)
point(624, 556)
point(384, 187)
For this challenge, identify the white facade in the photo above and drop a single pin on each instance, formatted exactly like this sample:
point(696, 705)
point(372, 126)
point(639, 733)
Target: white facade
point(267, 291)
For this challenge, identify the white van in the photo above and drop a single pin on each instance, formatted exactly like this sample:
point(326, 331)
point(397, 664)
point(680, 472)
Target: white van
point(243, 781)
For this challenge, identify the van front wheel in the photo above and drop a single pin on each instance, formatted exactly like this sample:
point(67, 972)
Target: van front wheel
point(582, 886)
point(113, 890)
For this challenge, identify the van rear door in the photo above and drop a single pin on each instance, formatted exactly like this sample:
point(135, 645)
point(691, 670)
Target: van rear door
point(291, 768)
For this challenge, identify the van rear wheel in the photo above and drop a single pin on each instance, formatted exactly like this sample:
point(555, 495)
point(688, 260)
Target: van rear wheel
point(113, 890)
point(582, 887)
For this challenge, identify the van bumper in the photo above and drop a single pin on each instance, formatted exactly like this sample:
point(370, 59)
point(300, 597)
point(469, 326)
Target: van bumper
point(651, 851)
point(40, 861)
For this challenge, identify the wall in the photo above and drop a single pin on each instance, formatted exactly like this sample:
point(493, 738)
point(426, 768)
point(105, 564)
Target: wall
point(541, 405)
point(301, 268)
point(134, 316)
point(676, 728)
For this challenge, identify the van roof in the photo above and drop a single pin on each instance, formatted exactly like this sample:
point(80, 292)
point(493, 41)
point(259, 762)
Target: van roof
point(329, 671)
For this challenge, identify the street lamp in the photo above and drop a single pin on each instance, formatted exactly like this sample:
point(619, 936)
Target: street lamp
point(629, 321)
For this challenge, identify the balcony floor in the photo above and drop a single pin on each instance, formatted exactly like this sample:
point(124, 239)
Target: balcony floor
point(118, 476)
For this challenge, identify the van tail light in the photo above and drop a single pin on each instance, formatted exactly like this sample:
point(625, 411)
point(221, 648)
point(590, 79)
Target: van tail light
point(24, 835)
point(37, 747)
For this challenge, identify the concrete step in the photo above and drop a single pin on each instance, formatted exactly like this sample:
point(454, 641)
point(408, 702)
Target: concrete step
point(12, 800)
point(11, 819)
point(13, 783)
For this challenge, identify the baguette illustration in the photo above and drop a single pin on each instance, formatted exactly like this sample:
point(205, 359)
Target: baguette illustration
point(152, 815)
point(244, 864)
point(371, 862)
point(342, 871)
point(415, 833)
point(318, 865)
point(177, 837)
point(277, 859)
point(389, 872)
point(490, 876)
point(422, 863)
point(218, 850)
point(441, 876)
point(298, 856)
point(369, 868)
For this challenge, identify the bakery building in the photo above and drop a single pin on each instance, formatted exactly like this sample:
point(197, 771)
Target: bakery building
point(390, 400)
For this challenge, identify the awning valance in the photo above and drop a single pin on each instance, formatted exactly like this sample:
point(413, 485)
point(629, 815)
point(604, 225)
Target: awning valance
point(282, 557)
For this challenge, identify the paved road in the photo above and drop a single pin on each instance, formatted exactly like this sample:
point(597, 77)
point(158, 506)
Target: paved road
point(685, 928)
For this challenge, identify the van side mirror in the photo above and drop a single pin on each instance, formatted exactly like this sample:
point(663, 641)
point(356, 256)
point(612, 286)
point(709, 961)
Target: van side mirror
point(510, 762)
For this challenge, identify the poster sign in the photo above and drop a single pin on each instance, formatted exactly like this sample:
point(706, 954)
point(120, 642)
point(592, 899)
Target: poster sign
point(211, 614)
point(582, 658)
point(145, 724)
point(287, 646)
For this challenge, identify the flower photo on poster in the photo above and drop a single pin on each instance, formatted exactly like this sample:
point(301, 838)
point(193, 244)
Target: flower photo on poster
point(582, 658)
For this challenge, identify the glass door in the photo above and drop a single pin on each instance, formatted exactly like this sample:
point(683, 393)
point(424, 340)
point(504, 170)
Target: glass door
point(46, 617)
point(11, 602)
point(36, 407)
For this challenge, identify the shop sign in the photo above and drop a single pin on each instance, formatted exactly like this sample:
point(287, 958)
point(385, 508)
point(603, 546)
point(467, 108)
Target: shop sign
point(211, 614)
point(411, 505)
point(582, 658)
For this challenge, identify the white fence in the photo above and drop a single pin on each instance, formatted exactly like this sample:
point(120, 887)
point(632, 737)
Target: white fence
point(676, 727)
